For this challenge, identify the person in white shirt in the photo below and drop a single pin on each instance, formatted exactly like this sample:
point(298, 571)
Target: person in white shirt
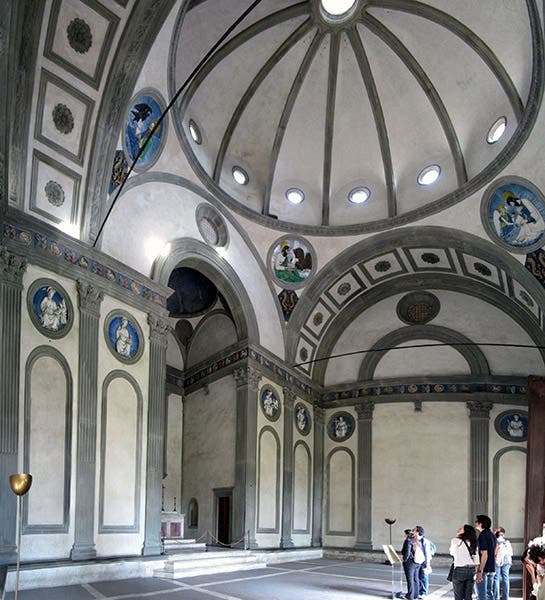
point(504, 560)
point(463, 549)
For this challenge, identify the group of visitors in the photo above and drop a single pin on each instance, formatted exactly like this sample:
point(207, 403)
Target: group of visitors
point(417, 553)
point(481, 561)
point(484, 561)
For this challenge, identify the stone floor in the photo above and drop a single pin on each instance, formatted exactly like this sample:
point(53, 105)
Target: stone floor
point(318, 579)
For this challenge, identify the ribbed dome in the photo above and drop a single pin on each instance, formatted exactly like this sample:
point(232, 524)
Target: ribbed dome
point(302, 100)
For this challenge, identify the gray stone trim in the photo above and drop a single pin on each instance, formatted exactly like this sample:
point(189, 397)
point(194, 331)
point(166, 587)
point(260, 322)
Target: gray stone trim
point(47, 77)
point(496, 484)
point(155, 434)
point(318, 476)
point(302, 443)
point(135, 526)
point(94, 79)
point(12, 268)
point(23, 22)
point(189, 252)
point(35, 355)
point(479, 414)
point(380, 121)
point(89, 298)
point(403, 53)
point(43, 244)
point(286, 540)
point(278, 503)
point(142, 27)
point(244, 495)
point(364, 504)
point(471, 353)
point(351, 491)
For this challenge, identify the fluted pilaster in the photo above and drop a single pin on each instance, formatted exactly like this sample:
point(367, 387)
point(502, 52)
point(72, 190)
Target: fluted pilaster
point(159, 329)
point(479, 414)
point(244, 520)
point(89, 301)
point(365, 474)
point(11, 284)
point(286, 540)
point(318, 476)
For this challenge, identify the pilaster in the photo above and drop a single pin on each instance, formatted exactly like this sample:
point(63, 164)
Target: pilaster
point(156, 430)
point(286, 540)
point(89, 300)
point(365, 476)
point(244, 519)
point(11, 284)
point(318, 476)
point(479, 415)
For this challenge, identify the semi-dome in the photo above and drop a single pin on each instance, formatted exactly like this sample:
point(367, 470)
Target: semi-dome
point(317, 119)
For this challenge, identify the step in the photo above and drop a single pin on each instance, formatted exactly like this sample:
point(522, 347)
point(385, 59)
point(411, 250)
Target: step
point(204, 570)
point(191, 565)
point(213, 554)
point(172, 546)
point(176, 565)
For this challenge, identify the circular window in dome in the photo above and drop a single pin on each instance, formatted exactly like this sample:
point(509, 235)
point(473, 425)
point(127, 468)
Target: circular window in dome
point(429, 175)
point(211, 225)
point(195, 132)
point(240, 175)
point(295, 195)
point(359, 195)
point(497, 130)
point(338, 8)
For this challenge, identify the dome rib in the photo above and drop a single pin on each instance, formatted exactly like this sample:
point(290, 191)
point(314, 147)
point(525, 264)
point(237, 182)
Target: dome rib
point(288, 107)
point(382, 132)
point(469, 37)
point(275, 57)
point(330, 122)
point(414, 67)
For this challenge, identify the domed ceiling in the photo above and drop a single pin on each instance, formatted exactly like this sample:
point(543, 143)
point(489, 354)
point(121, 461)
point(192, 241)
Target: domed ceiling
point(308, 104)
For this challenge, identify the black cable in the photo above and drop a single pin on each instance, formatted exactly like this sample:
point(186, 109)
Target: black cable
point(170, 105)
point(309, 362)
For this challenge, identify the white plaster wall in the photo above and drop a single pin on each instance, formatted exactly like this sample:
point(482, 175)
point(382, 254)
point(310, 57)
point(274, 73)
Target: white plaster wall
point(119, 544)
point(420, 470)
point(208, 449)
point(340, 492)
point(172, 493)
point(215, 333)
point(48, 546)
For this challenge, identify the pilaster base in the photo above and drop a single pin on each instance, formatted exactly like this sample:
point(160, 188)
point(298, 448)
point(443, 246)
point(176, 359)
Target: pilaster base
point(83, 552)
point(8, 554)
point(152, 549)
point(286, 543)
point(359, 545)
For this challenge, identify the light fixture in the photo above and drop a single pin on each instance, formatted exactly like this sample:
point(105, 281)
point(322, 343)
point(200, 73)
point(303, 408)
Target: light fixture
point(337, 8)
point(20, 484)
point(359, 195)
point(429, 175)
point(240, 175)
point(497, 130)
point(295, 195)
point(195, 132)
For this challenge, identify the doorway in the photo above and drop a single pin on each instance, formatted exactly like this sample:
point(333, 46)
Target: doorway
point(223, 500)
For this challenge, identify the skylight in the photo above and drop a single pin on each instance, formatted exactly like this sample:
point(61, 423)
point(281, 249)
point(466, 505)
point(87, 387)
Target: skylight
point(359, 195)
point(240, 175)
point(295, 195)
point(337, 8)
point(195, 131)
point(497, 130)
point(429, 175)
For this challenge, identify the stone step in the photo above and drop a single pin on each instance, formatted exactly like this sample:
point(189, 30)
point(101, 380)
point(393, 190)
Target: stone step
point(192, 565)
point(171, 546)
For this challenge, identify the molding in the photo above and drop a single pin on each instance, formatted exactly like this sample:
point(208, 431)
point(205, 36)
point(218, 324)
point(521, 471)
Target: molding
point(279, 470)
point(352, 478)
point(303, 444)
point(496, 483)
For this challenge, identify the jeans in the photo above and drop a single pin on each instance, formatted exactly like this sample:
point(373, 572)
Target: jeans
point(411, 572)
point(462, 583)
point(423, 581)
point(501, 582)
point(485, 589)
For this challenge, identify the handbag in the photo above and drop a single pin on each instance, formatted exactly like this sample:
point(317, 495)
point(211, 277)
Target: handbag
point(450, 572)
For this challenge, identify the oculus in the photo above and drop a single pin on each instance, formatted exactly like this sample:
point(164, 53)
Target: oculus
point(418, 308)
point(429, 175)
point(497, 130)
point(359, 195)
point(295, 195)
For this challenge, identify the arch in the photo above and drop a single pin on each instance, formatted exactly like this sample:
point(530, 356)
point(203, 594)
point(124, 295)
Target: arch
point(193, 514)
point(473, 356)
point(34, 356)
point(276, 492)
point(302, 446)
point(188, 252)
point(496, 483)
point(137, 453)
point(202, 326)
point(351, 489)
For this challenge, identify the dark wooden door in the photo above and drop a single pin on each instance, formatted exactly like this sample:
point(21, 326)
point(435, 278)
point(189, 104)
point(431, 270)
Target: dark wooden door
point(224, 519)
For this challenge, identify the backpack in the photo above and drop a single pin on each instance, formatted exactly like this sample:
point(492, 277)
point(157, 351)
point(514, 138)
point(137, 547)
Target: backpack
point(503, 554)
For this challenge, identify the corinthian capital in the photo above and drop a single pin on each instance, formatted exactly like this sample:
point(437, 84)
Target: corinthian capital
point(89, 297)
point(13, 266)
point(365, 410)
point(479, 409)
point(159, 329)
